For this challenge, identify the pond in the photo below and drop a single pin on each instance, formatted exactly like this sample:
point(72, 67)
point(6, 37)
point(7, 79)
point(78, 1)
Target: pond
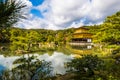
point(57, 57)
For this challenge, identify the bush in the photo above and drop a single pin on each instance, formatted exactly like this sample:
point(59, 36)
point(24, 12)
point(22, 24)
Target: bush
point(86, 65)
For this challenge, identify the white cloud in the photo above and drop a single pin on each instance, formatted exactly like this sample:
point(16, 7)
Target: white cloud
point(7, 62)
point(57, 60)
point(102, 8)
point(32, 22)
point(66, 11)
point(59, 14)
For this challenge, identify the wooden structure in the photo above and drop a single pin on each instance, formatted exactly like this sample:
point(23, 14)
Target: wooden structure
point(80, 50)
point(81, 36)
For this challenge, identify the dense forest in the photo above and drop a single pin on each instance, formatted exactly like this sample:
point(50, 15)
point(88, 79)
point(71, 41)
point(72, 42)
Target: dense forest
point(23, 39)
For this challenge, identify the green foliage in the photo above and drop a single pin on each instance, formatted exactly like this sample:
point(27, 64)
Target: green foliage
point(112, 68)
point(86, 65)
point(116, 51)
point(94, 68)
point(22, 39)
point(10, 12)
point(5, 35)
point(109, 31)
point(18, 39)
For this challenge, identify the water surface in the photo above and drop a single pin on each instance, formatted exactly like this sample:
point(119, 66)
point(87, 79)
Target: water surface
point(57, 58)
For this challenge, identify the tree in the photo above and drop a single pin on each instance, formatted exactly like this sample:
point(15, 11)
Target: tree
point(109, 31)
point(85, 66)
point(18, 39)
point(50, 38)
point(10, 12)
point(4, 35)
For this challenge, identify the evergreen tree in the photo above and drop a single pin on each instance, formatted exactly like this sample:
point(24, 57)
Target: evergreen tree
point(10, 12)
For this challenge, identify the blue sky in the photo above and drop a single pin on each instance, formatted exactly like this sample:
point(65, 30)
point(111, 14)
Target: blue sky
point(35, 11)
point(36, 2)
point(62, 14)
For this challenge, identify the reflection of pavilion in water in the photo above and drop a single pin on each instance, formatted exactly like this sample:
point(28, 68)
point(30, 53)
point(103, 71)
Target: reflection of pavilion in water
point(81, 49)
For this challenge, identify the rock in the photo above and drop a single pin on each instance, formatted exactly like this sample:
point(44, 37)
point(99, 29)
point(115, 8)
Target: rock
point(3, 48)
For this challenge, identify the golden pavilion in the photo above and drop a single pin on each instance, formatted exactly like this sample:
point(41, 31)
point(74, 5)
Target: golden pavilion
point(81, 36)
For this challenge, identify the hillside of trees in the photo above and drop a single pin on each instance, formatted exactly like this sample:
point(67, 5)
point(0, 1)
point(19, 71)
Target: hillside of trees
point(109, 31)
point(23, 39)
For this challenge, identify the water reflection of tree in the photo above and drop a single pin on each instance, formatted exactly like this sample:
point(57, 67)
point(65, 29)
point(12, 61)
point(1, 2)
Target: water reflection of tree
point(29, 68)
